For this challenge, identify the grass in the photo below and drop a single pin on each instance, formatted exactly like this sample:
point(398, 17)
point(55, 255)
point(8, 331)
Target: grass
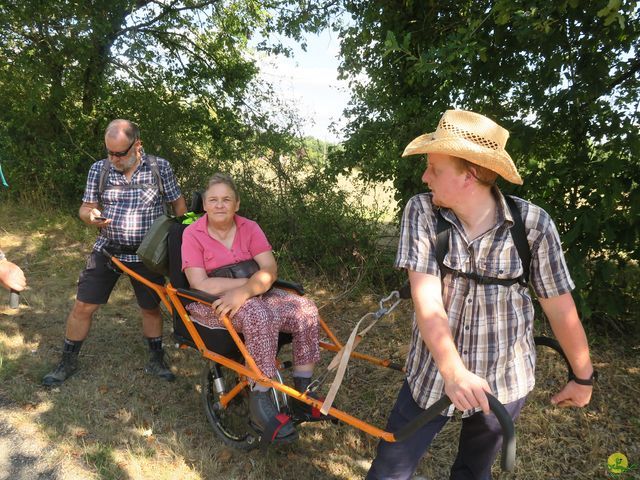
point(110, 421)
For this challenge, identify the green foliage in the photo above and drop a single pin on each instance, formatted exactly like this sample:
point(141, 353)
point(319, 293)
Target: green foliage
point(183, 71)
point(561, 76)
point(315, 227)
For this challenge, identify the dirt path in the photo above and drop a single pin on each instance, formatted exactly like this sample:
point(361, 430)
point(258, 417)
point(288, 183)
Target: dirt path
point(24, 452)
point(23, 455)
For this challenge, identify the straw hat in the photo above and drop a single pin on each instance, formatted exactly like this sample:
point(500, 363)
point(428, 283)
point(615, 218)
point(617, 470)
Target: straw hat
point(470, 136)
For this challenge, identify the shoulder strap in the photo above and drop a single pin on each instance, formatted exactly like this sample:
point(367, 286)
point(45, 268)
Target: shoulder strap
point(155, 170)
point(442, 240)
point(519, 235)
point(104, 178)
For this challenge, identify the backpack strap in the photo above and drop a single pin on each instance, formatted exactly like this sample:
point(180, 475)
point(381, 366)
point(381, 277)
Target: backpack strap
point(519, 235)
point(443, 232)
point(104, 177)
point(155, 171)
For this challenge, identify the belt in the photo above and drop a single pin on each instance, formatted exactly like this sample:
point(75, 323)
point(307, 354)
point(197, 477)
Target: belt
point(121, 249)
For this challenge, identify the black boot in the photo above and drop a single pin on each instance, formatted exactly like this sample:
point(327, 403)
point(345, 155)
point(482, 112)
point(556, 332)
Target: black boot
point(262, 412)
point(303, 411)
point(64, 370)
point(158, 367)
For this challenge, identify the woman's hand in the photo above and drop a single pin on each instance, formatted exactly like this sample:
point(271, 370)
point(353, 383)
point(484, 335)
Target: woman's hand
point(230, 302)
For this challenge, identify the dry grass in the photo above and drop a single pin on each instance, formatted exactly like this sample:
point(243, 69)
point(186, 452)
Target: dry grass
point(110, 421)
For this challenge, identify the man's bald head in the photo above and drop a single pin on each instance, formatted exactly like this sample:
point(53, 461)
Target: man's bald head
point(120, 126)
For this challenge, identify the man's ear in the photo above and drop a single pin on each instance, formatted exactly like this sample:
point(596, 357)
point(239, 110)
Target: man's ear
point(470, 175)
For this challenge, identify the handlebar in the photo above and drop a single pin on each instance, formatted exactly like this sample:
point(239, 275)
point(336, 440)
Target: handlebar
point(14, 299)
point(508, 457)
point(554, 345)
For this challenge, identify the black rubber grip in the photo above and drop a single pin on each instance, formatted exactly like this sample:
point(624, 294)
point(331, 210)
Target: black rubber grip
point(405, 291)
point(554, 345)
point(508, 457)
point(299, 289)
point(199, 294)
point(14, 299)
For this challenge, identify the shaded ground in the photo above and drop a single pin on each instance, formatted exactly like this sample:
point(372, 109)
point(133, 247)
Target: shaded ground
point(21, 457)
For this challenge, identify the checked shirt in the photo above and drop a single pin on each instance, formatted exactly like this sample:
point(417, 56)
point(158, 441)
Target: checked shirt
point(132, 210)
point(492, 325)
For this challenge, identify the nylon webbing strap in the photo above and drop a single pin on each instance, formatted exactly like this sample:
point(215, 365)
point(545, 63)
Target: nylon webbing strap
point(519, 235)
point(442, 240)
point(155, 171)
point(341, 358)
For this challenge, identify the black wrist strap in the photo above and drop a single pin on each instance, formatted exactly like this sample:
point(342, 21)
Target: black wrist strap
point(585, 381)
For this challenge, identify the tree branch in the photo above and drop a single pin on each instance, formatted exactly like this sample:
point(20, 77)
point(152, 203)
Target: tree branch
point(166, 10)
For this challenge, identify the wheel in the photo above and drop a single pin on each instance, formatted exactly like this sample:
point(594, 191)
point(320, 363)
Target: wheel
point(230, 424)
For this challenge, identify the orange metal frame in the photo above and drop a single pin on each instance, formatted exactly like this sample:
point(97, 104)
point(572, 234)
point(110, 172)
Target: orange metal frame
point(170, 297)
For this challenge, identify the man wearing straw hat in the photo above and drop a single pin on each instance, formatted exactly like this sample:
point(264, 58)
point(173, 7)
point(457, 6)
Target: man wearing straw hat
point(473, 322)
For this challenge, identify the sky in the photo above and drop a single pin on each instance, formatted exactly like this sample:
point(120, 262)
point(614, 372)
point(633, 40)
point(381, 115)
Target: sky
point(309, 80)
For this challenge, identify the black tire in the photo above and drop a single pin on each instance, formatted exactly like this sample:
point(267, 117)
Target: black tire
point(230, 424)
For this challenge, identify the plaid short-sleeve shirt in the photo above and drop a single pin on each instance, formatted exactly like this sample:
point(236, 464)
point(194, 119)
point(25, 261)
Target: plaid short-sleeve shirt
point(492, 325)
point(132, 210)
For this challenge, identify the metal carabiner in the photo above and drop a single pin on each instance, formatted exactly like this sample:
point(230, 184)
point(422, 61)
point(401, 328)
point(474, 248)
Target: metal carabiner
point(383, 310)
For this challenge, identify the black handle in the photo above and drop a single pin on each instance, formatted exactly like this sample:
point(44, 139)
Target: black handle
point(508, 457)
point(405, 291)
point(14, 299)
point(554, 345)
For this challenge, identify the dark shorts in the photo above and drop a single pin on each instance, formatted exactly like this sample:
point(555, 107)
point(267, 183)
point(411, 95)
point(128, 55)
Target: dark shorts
point(97, 280)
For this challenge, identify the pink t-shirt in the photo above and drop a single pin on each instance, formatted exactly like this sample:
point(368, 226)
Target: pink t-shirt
point(202, 251)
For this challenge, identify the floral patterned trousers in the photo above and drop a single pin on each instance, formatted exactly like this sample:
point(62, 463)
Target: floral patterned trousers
point(260, 320)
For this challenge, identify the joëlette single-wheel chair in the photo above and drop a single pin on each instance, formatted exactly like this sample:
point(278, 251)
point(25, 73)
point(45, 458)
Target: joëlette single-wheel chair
point(230, 367)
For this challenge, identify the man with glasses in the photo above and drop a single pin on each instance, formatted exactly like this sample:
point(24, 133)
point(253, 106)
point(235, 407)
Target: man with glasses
point(123, 208)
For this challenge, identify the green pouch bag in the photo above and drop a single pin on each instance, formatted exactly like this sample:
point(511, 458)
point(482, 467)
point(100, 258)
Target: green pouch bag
point(154, 249)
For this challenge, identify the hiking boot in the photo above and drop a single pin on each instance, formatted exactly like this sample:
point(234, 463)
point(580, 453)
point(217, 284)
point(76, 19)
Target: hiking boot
point(262, 411)
point(304, 411)
point(158, 367)
point(64, 370)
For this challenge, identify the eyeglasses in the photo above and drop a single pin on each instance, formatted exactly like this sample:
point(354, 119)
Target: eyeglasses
point(123, 153)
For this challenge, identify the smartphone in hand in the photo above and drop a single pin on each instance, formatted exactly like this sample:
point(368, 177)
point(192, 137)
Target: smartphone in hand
point(100, 219)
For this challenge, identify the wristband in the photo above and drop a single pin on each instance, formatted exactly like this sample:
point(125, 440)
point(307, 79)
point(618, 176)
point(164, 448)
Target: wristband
point(585, 381)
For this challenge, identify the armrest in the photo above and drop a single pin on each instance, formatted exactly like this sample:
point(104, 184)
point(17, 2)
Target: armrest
point(199, 294)
point(208, 297)
point(291, 285)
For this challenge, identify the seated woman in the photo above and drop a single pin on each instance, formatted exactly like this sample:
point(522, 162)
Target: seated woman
point(220, 238)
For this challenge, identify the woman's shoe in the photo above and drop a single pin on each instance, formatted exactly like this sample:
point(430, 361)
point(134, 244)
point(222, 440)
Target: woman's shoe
point(266, 418)
point(303, 411)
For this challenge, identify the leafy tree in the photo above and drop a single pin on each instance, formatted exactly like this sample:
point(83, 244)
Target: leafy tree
point(182, 69)
point(561, 76)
